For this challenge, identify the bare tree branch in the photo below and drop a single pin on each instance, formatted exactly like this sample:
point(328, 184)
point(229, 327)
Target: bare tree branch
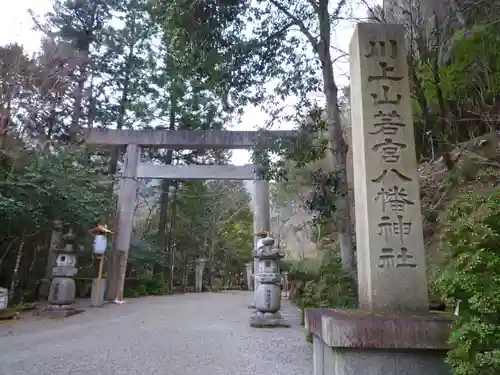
point(296, 21)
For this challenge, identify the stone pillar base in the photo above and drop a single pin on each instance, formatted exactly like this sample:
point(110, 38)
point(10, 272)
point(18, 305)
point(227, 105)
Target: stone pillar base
point(268, 320)
point(352, 342)
point(59, 311)
point(98, 300)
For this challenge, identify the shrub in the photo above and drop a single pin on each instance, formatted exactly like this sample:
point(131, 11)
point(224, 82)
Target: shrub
point(472, 277)
point(323, 283)
point(144, 286)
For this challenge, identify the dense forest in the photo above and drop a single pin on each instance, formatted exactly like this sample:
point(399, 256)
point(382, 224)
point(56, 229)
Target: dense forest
point(178, 64)
point(108, 64)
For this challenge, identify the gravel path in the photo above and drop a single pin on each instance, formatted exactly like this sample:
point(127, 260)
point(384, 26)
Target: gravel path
point(192, 334)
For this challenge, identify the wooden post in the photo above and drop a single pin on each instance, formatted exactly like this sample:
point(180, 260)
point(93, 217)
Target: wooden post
point(124, 224)
point(99, 276)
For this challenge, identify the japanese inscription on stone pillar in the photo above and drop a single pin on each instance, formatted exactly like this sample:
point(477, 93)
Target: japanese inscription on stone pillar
point(391, 262)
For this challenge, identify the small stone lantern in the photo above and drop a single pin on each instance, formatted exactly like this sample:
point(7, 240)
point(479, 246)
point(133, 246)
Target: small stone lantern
point(62, 289)
point(268, 286)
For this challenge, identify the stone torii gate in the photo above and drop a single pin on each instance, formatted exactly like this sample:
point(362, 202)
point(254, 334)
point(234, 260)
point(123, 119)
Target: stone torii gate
point(133, 140)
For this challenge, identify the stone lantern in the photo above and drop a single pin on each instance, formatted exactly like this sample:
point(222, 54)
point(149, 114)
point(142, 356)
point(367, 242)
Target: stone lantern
point(268, 286)
point(62, 289)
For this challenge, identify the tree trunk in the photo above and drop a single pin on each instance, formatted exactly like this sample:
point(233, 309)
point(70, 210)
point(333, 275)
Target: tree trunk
point(337, 146)
point(165, 187)
point(163, 228)
point(122, 110)
point(15, 274)
point(92, 107)
point(4, 255)
point(213, 244)
point(443, 110)
point(422, 101)
point(77, 107)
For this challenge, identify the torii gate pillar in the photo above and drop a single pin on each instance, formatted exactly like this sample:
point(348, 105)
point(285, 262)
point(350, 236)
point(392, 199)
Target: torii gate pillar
point(124, 225)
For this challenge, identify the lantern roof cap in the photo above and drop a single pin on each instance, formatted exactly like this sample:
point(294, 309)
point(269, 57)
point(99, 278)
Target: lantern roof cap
point(100, 229)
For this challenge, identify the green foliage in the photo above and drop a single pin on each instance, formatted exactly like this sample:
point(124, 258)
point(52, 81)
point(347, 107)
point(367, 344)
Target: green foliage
point(468, 80)
point(322, 199)
point(475, 69)
point(472, 278)
point(322, 283)
point(430, 215)
point(217, 285)
point(296, 156)
point(334, 287)
point(303, 270)
point(210, 220)
point(54, 186)
point(36, 190)
point(145, 286)
point(92, 49)
point(213, 44)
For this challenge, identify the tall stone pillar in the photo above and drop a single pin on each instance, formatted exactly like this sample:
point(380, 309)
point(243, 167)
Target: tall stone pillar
point(261, 223)
point(263, 213)
point(393, 333)
point(200, 267)
point(124, 224)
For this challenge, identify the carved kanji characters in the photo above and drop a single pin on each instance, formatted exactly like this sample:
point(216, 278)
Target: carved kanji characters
point(392, 170)
point(394, 228)
point(405, 259)
point(386, 99)
point(389, 259)
point(395, 199)
point(388, 123)
point(382, 49)
point(386, 69)
point(390, 150)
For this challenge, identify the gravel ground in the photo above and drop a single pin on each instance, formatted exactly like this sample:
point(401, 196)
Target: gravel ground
point(192, 334)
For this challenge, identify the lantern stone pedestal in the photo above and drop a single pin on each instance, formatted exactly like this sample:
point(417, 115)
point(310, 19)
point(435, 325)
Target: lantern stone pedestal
point(62, 289)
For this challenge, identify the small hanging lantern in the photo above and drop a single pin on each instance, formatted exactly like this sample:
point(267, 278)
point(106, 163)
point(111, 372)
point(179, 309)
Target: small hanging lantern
point(100, 239)
point(100, 244)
